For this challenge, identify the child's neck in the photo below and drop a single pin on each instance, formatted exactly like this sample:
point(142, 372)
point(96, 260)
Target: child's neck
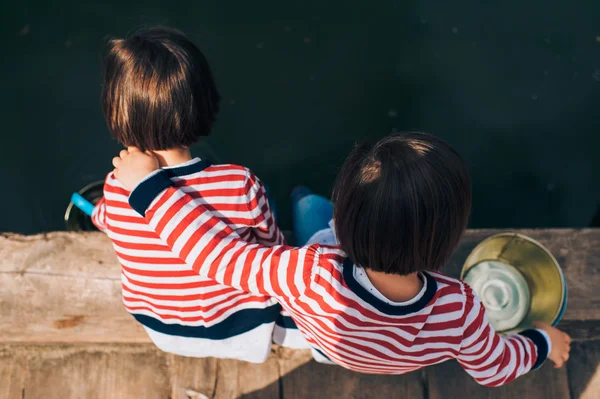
point(394, 287)
point(173, 157)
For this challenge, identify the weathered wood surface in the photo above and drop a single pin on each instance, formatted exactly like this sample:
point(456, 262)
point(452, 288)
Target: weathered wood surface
point(135, 371)
point(583, 369)
point(62, 287)
point(119, 372)
point(66, 287)
point(94, 371)
point(229, 378)
point(448, 380)
point(313, 380)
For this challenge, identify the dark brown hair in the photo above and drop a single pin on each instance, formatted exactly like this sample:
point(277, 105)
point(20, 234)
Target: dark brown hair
point(158, 91)
point(402, 205)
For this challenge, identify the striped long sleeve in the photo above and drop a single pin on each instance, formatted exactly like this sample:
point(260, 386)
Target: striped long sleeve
point(264, 227)
point(214, 250)
point(99, 215)
point(346, 323)
point(492, 359)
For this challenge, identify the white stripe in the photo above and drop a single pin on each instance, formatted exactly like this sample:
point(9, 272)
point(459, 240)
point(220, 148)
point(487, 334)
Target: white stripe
point(171, 279)
point(208, 310)
point(250, 346)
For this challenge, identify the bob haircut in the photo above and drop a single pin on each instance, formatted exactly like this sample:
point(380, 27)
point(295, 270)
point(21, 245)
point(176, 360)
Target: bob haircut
point(158, 91)
point(402, 205)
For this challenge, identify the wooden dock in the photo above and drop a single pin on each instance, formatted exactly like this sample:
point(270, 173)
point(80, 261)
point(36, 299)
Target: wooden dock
point(64, 334)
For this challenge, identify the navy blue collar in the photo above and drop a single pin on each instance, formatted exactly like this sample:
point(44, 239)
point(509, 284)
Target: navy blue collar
point(142, 196)
point(194, 166)
point(396, 310)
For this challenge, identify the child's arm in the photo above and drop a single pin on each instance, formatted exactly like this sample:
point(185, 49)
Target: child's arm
point(99, 215)
point(492, 359)
point(214, 249)
point(265, 228)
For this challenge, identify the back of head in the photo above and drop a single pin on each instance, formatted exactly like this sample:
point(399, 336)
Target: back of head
point(402, 205)
point(158, 91)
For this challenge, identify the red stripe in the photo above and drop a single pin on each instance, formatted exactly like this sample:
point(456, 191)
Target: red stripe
point(118, 204)
point(247, 270)
point(189, 319)
point(150, 260)
point(190, 181)
point(133, 233)
point(291, 284)
point(226, 167)
point(128, 219)
point(109, 188)
point(141, 246)
point(160, 273)
point(175, 286)
point(188, 297)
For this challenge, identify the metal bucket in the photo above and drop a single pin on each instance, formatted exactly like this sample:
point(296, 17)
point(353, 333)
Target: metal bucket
point(75, 218)
point(518, 281)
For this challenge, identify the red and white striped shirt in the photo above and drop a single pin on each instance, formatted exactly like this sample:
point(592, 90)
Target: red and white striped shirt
point(339, 317)
point(183, 312)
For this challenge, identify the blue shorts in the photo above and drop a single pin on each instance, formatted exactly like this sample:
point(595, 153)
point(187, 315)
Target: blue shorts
point(312, 218)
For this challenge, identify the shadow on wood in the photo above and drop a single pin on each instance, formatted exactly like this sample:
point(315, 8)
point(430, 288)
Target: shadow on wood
point(449, 380)
point(314, 380)
point(583, 369)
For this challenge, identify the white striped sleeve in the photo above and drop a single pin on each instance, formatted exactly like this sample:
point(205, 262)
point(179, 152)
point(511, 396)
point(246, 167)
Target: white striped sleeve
point(214, 249)
point(490, 358)
point(265, 228)
point(99, 215)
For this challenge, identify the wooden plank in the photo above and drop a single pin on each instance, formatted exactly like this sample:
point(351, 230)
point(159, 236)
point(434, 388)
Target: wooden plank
point(449, 380)
point(237, 379)
point(313, 380)
point(583, 369)
point(116, 372)
point(581, 330)
point(199, 375)
point(224, 378)
point(66, 287)
point(62, 287)
point(13, 371)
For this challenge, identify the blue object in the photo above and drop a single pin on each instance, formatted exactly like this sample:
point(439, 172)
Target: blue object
point(563, 308)
point(86, 206)
point(310, 213)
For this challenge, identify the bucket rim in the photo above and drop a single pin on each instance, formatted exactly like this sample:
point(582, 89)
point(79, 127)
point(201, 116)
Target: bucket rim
point(563, 303)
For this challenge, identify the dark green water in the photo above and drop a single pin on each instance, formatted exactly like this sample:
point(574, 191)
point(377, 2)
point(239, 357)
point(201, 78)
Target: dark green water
point(514, 85)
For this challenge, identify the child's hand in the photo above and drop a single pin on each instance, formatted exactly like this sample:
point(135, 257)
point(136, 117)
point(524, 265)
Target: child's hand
point(132, 166)
point(561, 343)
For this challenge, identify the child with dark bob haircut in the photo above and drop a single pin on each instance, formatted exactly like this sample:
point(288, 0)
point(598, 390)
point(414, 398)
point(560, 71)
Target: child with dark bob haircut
point(403, 204)
point(159, 92)
point(376, 303)
point(159, 95)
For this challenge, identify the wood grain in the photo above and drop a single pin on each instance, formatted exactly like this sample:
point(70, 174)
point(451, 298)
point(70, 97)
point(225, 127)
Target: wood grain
point(13, 371)
point(117, 372)
point(66, 287)
point(325, 381)
point(448, 380)
point(223, 378)
point(583, 369)
point(136, 371)
point(63, 287)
